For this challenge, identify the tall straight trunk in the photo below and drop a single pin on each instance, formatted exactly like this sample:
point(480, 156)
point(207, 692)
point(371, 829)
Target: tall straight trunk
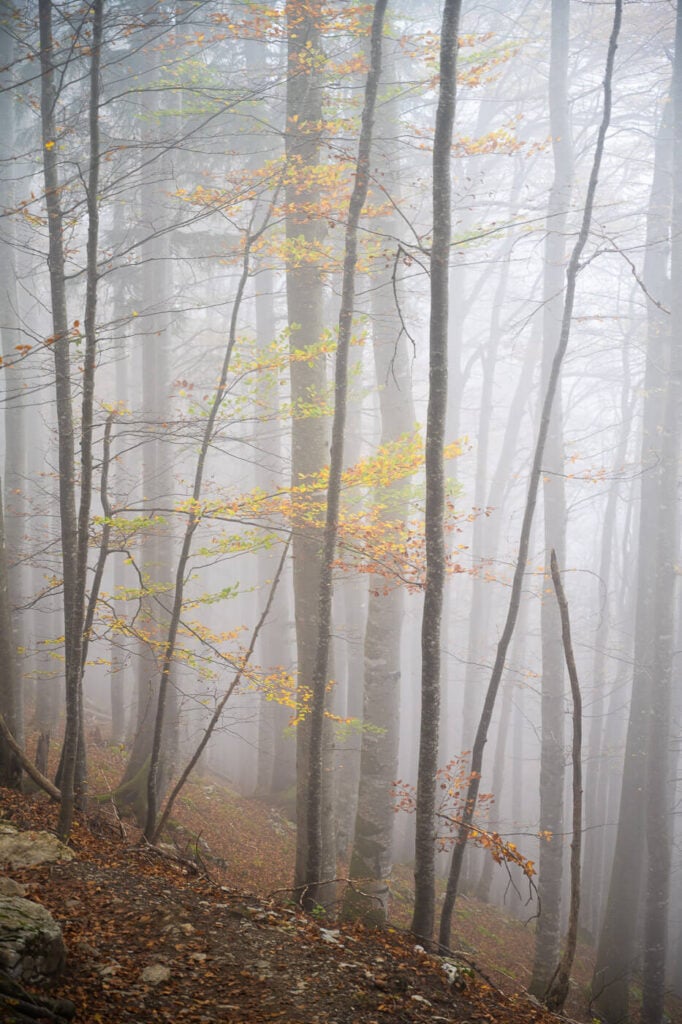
point(423, 919)
point(154, 287)
point(276, 770)
point(531, 499)
point(616, 951)
point(371, 856)
point(10, 768)
point(597, 760)
point(88, 371)
point(66, 435)
point(479, 608)
point(308, 379)
point(315, 859)
point(548, 931)
point(659, 790)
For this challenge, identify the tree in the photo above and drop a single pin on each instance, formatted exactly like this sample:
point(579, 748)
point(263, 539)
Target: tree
point(548, 932)
point(423, 919)
point(10, 767)
point(531, 499)
point(304, 288)
point(371, 854)
point(617, 946)
point(557, 990)
point(74, 523)
point(315, 859)
point(15, 484)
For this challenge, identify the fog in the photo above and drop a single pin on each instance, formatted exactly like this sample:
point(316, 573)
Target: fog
point(178, 188)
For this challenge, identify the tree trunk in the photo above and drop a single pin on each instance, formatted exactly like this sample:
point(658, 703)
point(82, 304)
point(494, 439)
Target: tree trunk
point(65, 429)
point(597, 761)
point(548, 931)
point(10, 766)
point(276, 754)
point(616, 951)
point(423, 920)
point(658, 789)
point(153, 299)
point(315, 859)
point(309, 433)
point(533, 485)
point(371, 854)
point(15, 383)
point(557, 990)
point(158, 774)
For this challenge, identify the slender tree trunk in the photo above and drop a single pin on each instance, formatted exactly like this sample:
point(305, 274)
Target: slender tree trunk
point(215, 717)
point(597, 758)
point(153, 289)
point(557, 990)
point(533, 485)
point(15, 421)
point(276, 754)
point(10, 766)
point(371, 854)
point(314, 867)
point(479, 609)
point(423, 920)
point(65, 429)
point(193, 520)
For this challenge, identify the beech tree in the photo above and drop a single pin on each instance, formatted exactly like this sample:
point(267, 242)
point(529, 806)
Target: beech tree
point(423, 920)
point(534, 481)
point(315, 860)
point(548, 931)
point(642, 848)
point(74, 521)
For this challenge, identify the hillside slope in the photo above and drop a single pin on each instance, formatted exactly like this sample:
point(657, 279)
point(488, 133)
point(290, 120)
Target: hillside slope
point(149, 941)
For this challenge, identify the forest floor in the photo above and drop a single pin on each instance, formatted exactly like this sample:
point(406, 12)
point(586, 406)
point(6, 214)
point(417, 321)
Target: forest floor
point(225, 943)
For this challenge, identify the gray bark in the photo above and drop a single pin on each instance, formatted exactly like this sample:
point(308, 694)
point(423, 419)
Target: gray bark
point(276, 752)
point(658, 789)
point(65, 427)
point(309, 434)
point(531, 500)
point(371, 856)
point(548, 932)
point(15, 381)
point(616, 951)
point(423, 919)
point(314, 817)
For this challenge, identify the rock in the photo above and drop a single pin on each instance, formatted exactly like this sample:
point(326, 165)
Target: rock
point(31, 943)
point(155, 973)
point(87, 949)
point(109, 970)
point(8, 887)
point(28, 849)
